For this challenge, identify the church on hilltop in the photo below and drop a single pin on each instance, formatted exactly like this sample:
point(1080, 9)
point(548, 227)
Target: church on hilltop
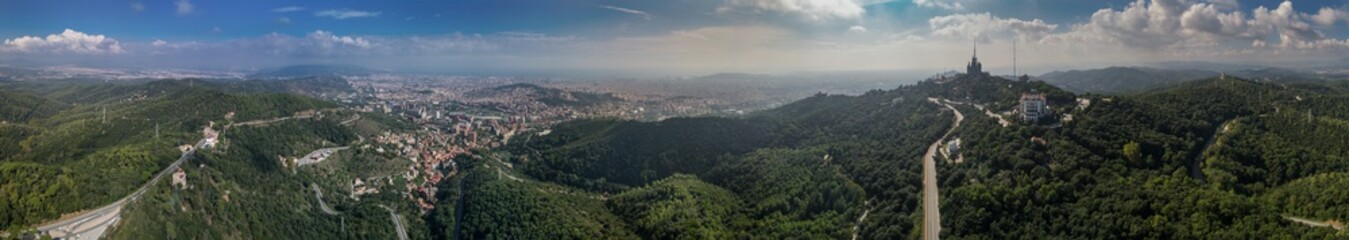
point(975, 68)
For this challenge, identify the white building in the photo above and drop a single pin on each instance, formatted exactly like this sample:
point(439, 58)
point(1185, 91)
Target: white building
point(1033, 106)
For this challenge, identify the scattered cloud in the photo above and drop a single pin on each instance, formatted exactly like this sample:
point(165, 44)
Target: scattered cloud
point(786, 35)
point(138, 6)
point(1328, 16)
point(815, 10)
point(1144, 30)
point(346, 13)
point(642, 14)
point(1171, 24)
point(184, 7)
point(943, 4)
point(1228, 5)
point(1161, 26)
point(322, 43)
point(67, 42)
point(985, 27)
point(327, 39)
point(287, 9)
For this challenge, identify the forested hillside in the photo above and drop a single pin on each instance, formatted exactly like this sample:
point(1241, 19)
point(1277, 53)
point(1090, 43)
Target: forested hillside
point(810, 168)
point(1116, 80)
point(1196, 160)
point(1215, 158)
point(109, 140)
point(241, 190)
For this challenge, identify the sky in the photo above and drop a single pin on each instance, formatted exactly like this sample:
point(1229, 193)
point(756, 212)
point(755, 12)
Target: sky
point(681, 37)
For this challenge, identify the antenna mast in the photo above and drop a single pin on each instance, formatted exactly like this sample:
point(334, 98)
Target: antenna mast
point(1014, 57)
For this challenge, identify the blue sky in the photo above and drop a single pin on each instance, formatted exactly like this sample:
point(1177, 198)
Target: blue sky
point(668, 36)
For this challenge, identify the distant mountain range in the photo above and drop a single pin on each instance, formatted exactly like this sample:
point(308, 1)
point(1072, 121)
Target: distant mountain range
point(1120, 79)
point(297, 71)
point(1116, 80)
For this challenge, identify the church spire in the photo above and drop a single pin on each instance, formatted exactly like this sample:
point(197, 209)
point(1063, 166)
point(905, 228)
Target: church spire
point(975, 68)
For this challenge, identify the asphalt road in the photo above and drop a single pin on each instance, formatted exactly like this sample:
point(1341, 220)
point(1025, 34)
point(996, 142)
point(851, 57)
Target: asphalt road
point(318, 195)
point(397, 223)
point(931, 205)
point(92, 224)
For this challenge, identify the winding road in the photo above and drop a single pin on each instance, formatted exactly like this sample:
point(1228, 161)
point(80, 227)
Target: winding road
point(931, 205)
point(318, 195)
point(1314, 223)
point(397, 222)
point(1197, 157)
point(92, 224)
point(857, 226)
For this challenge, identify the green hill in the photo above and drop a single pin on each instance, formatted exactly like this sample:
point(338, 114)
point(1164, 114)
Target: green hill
point(1211, 158)
point(100, 150)
point(21, 107)
point(680, 207)
point(1163, 163)
point(1115, 80)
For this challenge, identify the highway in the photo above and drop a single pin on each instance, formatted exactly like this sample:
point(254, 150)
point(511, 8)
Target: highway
point(931, 205)
point(92, 224)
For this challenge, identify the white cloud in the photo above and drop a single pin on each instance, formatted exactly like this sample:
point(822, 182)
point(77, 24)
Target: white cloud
point(346, 13)
point(283, 20)
point(939, 4)
point(138, 6)
point(643, 14)
point(184, 7)
point(325, 39)
point(985, 27)
point(815, 10)
point(159, 43)
point(1180, 25)
point(288, 9)
point(1328, 16)
point(857, 29)
point(68, 41)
